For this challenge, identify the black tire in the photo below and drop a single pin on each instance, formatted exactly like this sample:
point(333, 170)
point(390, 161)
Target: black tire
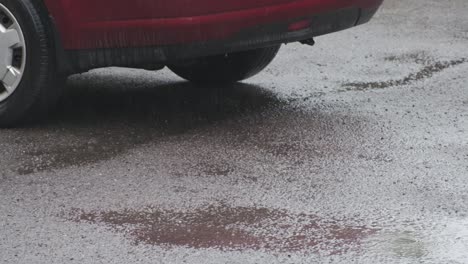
point(39, 88)
point(227, 68)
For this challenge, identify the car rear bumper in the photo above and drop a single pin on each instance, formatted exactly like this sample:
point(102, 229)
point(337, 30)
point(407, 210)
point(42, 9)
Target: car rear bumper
point(81, 32)
point(255, 37)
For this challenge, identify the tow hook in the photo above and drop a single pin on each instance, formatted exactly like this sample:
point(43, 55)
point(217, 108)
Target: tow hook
point(310, 42)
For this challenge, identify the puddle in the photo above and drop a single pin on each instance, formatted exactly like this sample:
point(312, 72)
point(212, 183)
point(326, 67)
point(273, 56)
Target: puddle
point(205, 168)
point(426, 72)
point(230, 228)
point(281, 142)
point(419, 57)
point(81, 148)
point(403, 245)
point(438, 240)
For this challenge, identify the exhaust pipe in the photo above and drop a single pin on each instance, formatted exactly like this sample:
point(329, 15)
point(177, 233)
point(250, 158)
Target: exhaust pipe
point(310, 42)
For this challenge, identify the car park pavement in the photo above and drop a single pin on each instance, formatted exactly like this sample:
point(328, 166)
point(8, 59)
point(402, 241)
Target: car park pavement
point(352, 151)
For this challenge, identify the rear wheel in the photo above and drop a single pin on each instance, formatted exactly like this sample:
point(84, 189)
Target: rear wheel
point(28, 78)
point(227, 68)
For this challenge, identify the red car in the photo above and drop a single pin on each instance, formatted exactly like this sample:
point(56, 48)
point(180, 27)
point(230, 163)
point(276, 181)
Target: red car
point(42, 41)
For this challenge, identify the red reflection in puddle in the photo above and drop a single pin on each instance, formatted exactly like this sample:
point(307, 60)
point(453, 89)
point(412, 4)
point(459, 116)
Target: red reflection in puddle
point(230, 228)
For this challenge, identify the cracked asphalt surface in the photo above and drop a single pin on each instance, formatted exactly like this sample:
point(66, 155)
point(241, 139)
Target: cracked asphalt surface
point(353, 151)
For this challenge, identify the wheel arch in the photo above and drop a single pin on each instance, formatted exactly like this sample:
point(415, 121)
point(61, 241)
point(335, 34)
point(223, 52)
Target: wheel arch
point(54, 10)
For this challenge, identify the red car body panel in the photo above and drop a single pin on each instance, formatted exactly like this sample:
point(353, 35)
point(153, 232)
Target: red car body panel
point(97, 24)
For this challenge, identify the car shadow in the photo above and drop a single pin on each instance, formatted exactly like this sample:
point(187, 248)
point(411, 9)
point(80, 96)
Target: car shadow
point(108, 113)
point(104, 114)
point(169, 106)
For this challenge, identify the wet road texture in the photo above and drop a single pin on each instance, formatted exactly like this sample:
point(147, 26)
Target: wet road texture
point(353, 151)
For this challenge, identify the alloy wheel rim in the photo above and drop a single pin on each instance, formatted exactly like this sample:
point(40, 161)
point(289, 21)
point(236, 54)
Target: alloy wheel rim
point(12, 53)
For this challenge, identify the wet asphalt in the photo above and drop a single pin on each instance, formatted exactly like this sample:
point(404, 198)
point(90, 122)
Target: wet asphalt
point(352, 151)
